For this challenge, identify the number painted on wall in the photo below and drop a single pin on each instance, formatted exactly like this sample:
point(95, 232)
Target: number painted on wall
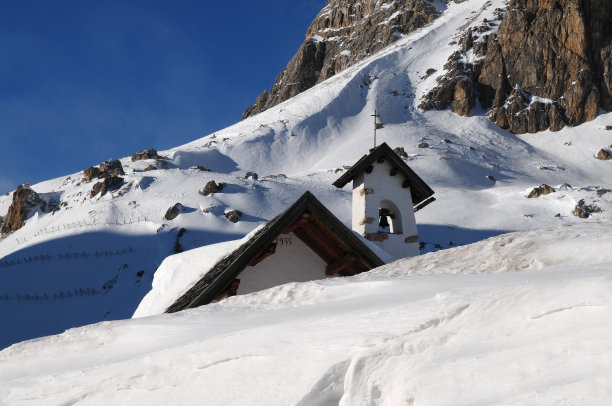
point(285, 241)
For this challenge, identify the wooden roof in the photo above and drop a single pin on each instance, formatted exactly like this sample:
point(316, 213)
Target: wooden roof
point(421, 192)
point(309, 220)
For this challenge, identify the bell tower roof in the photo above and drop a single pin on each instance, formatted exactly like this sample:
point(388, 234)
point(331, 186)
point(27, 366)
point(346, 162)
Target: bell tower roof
point(421, 193)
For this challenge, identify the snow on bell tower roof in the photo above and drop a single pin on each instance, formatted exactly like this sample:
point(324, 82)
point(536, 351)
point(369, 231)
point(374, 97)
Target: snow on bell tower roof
point(421, 193)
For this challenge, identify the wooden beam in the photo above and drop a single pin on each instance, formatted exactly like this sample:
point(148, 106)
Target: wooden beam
point(231, 290)
point(366, 191)
point(305, 218)
point(315, 244)
point(264, 254)
point(369, 169)
point(356, 267)
point(340, 264)
point(425, 203)
point(381, 159)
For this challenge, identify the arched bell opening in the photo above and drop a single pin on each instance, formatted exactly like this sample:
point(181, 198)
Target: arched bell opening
point(389, 218)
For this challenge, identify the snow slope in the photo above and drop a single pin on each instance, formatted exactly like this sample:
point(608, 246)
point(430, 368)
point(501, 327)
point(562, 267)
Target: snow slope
point(95, 258)
point(488, 323)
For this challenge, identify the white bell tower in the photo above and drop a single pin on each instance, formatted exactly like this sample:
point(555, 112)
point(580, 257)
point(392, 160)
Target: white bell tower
point(386, 194)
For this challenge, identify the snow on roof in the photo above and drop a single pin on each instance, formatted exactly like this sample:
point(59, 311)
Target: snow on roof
point(180, 272)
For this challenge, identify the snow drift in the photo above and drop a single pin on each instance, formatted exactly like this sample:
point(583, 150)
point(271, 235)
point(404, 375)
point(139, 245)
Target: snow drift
point(441, 329)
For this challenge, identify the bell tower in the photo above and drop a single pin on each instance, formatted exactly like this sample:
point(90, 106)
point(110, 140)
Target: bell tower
point(386, 194)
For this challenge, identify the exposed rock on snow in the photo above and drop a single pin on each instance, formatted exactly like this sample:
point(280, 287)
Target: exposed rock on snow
point(150, 153)
point(91, 173)
point(173, 211)
point(199, 168)
point(160, 163)
point(109, 183)
point(233, 216)
point(212, 187)
point(540, 191)
point(24, 201)
point(604, 155)
point(111, 167)
point(401, 152)
point(584, 211)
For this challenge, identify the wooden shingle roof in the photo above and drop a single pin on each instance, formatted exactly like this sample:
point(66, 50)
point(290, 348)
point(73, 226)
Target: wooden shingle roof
point(421, 192)
point(310, 221)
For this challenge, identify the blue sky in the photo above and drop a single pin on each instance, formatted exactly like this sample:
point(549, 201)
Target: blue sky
point(82, 81)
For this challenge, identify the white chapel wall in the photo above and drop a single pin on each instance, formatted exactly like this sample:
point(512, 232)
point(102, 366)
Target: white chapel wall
point(385, 187)
point(293, 261)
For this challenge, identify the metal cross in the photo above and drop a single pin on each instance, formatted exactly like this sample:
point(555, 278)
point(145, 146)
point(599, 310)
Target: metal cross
point(375, 126)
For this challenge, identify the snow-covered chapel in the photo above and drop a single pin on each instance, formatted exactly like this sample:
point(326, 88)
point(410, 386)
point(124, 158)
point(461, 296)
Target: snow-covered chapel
point(306, 241)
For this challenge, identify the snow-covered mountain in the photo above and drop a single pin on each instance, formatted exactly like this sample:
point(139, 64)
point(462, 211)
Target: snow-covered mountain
point(93, 258)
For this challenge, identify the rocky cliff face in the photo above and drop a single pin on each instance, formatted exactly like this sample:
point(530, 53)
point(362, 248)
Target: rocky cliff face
point(343, 33)
point(548, 65)
point(24, 201)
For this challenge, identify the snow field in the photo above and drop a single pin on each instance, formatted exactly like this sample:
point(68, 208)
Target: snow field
point(427, 331)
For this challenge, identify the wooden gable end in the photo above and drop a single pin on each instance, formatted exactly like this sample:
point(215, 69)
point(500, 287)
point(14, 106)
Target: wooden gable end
point(338, 256)
point(313, 224)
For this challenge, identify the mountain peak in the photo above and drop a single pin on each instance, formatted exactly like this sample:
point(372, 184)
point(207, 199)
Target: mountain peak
point(343, 33)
